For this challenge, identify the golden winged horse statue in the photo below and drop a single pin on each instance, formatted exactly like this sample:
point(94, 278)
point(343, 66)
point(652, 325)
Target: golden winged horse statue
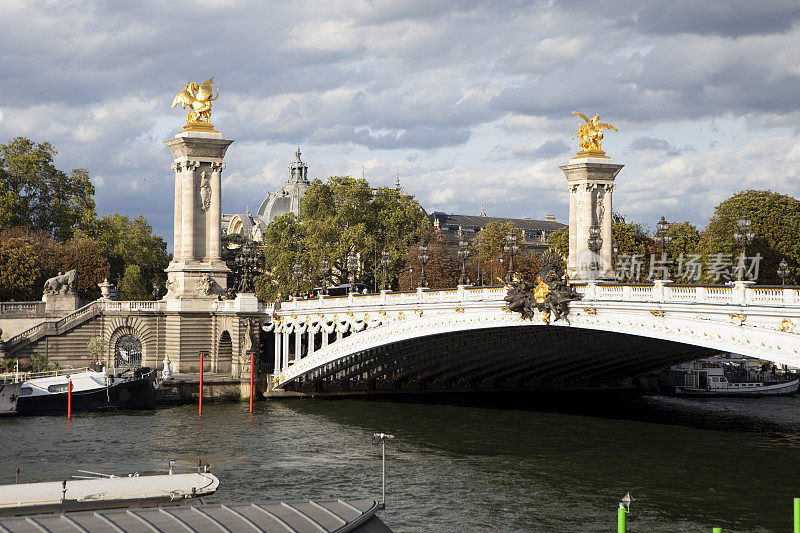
point(590, 134)
point(198, 99)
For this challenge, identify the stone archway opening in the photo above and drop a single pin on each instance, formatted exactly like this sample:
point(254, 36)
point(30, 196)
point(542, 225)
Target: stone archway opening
point(224, 353)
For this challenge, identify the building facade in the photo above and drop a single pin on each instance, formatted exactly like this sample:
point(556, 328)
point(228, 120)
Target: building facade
point(467, 227)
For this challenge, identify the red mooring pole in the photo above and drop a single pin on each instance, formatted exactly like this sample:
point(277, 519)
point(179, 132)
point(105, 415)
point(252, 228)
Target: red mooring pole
point(200, 411)
point(69, 400)
point(252, 371)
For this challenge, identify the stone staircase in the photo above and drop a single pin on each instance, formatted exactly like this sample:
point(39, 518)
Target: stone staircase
point(49, 328)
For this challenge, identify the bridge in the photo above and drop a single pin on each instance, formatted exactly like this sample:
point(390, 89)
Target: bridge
point(466, 338)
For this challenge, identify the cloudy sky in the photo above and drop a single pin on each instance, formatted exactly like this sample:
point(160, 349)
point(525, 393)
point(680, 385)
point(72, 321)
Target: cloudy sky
point(469, 101)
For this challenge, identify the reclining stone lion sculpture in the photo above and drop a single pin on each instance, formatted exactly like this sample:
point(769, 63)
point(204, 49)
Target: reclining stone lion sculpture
point(61, 284)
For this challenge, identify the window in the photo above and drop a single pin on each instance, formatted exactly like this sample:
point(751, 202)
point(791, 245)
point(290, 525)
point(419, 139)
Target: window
point(60, 387)
point(25, 391)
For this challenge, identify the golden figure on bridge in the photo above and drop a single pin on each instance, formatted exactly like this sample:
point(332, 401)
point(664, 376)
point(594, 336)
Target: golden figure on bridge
point(198, 99)
point(590, 135)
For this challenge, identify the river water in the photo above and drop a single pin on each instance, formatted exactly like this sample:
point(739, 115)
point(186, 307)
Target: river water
point(519, 462)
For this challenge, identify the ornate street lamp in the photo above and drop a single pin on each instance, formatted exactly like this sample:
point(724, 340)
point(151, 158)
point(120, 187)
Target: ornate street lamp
point(423, 258)
point(298, 274)
point(324, 271)
point(743, 236)
point(247, 263)
point(463, 254)
point(511, 249)
point(385, 262)
point(595, 241)
point(662, 238)
point(783, 271)
point(352, 265)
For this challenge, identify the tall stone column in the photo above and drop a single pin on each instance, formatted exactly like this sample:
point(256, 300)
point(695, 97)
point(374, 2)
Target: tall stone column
point(197, 275)
point(590, 182)
point(197, 271)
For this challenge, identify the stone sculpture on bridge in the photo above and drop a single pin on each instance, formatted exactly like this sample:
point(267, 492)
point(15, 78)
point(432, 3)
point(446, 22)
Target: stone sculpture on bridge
point(551, 295)
point(61, 284)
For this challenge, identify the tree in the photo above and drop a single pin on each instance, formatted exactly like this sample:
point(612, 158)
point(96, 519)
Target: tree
point(29, 257)
point(443, 268)
point(775, 222)
point(338, 218)
point(127, 242)
point(489, 245)
point(34, 193)
point(132, 285)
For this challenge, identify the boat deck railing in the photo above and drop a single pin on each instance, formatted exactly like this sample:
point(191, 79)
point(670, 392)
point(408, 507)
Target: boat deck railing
point(17, 377)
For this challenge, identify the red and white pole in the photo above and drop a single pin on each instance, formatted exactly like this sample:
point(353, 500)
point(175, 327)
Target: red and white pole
point(200, 411)
point(252, 372)
point(69, 400)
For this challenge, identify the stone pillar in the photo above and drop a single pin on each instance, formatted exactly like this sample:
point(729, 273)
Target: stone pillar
point(277, 368)
point(298, 344)
point(197, 271)
point(590, 182)
point(215, 214)
point(177, 223)
point(285, 351)
point(311, 339)
point(197, 275)
point(188, 187)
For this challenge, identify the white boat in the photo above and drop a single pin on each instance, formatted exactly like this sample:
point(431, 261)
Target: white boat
point(105, 492)
point(711, 381)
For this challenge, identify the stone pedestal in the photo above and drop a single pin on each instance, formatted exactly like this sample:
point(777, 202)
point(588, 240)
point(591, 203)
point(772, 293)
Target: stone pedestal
point(197, 270)
point(590, 182)
point(61, 304)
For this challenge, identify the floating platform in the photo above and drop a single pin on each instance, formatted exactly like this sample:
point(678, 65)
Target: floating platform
point(308, 517)
point(104, 493)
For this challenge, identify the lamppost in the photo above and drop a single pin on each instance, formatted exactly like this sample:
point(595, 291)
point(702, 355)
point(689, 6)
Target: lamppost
point(662, 239)
point(423, 258)
point(511, 249)
point(298, 273)
point(385, 262)
point(463, 253)
point(501, 267)
point(743, 236)
point(614, 252)
point(75, 228)
point(352, 265)
point(247, 261)
point(324, 271)
point(783, 271)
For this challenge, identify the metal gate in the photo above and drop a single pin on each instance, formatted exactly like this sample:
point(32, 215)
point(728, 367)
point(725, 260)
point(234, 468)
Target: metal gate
point(128, 352)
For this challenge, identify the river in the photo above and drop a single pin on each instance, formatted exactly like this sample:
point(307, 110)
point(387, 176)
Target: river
point(511, 462)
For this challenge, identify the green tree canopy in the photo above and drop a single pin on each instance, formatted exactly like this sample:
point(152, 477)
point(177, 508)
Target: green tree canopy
point(775, 222)
point(132, 286)
point(131, 242)
point(34, 193)
point(339, 217)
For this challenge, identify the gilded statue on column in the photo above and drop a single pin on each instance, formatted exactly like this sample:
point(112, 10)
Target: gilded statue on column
point(590, 135)
point(198, 99)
